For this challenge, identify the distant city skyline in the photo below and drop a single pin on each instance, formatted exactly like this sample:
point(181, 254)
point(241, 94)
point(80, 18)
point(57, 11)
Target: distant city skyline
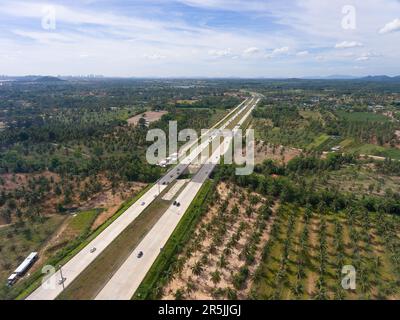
point(200, 38)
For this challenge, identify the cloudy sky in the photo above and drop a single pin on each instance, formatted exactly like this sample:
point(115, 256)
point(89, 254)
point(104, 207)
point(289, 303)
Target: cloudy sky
point(212, 38)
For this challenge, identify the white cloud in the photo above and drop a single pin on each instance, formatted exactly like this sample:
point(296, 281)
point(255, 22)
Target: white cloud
point(220, 53)
point(280, 50)
point(348, 44)
point(302, 53)
point(391, 26)
point(277, 52)
point(251, 50)
point(366, 56)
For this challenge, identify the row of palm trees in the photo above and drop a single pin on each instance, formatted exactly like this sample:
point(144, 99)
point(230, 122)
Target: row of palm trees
point(219, 237)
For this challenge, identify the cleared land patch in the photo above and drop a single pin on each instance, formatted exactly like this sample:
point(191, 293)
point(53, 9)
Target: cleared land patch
point(150, 116)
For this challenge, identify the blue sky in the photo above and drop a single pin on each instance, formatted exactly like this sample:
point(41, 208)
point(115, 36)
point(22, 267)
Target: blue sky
point(200, 38)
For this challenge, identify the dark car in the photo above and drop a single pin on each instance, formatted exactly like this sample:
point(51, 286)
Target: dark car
point(175, 203)
point(140, 254)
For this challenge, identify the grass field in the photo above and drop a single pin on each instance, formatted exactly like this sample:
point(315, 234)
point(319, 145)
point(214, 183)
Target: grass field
point(350, 145)
point(318, 142)
point(362, 116)
point(306, 252)
point(20, 239)
point(311, 115)
point(358, 180)
point(82, 221)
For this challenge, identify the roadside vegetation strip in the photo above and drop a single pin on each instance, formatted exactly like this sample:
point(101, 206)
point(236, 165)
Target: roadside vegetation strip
point(160, 271)
point(67, 253)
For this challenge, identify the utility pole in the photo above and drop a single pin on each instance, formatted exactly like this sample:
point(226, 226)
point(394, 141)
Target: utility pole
point(62, 278)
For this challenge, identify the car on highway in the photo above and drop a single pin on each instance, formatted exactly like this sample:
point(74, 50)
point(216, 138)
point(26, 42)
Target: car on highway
point(93, 250)
point(140, 254)
point(61, 281)
point(143, 203)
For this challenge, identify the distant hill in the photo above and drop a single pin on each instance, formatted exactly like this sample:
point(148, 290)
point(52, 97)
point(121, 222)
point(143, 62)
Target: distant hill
point(381, 78)
point(331, 77)
point(48, 79)
point(347, 77)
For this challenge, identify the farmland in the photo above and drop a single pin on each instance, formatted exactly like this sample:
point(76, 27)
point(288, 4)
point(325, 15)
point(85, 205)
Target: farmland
point(307, 249)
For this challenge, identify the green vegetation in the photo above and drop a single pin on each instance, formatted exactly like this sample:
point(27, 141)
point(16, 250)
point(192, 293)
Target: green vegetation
point(82, 221)
point(361, 116)
point(222, 102)
point(318, 142)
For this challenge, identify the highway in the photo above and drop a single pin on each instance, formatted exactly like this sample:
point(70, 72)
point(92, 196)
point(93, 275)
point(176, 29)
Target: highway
point(85, 257)
point(128, 277)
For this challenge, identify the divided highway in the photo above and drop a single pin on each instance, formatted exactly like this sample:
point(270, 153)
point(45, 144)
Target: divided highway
point(85, 257)
point(127, 279)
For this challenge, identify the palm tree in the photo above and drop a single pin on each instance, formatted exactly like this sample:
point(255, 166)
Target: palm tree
point(216, 277)
point(180, 263)
point(190, 286)
point(197, 269)
point(297, 288)
point(179, 294)
point(231, 294)
point(222, 261)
